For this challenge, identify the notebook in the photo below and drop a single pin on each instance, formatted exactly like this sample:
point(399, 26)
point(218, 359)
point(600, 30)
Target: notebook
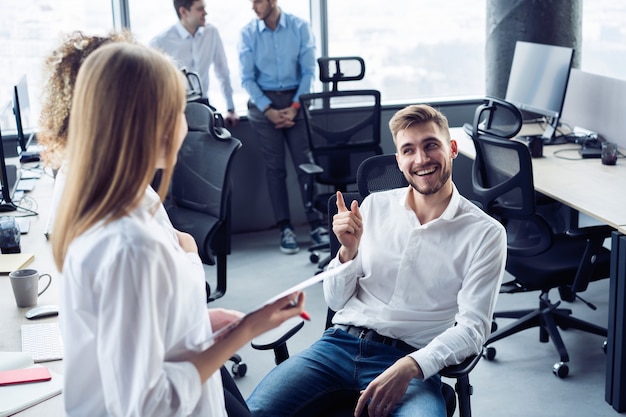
point(13, 261)
point(17, 397)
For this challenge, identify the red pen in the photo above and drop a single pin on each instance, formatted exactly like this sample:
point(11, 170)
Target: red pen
point(304, 314)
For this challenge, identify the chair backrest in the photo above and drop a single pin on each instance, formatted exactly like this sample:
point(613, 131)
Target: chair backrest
point(503, 183)
point(497, 118)
point(201, 179)
point(343, 126)
point(502, 169)
point(340, 138)
point(379, 173)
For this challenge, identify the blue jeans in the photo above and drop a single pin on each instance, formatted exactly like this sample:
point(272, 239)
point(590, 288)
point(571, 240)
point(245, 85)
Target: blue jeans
point(339, 361)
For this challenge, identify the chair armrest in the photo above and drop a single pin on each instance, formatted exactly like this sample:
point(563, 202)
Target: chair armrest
point(311, 169)
point(598, 232)
point(279, 335)
point(460, 369)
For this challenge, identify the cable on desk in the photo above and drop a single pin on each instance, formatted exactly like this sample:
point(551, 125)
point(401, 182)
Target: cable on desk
point(558, 152)
point(28, 206)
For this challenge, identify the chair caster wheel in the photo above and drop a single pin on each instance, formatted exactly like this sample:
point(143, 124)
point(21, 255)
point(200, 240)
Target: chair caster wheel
point(560, 369)
point(239, 369)
point(489, 353)
point(314, 257)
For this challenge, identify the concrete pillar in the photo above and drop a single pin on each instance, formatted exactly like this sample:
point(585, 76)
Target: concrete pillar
point(554, 22)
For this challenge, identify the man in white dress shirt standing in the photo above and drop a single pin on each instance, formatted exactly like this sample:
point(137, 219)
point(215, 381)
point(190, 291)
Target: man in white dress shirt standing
point(196, 45)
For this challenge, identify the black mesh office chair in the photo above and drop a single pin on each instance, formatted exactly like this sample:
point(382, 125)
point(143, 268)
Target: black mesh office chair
point(199, 199)
point(343, 129)
point(377, 173)
point(539, 258)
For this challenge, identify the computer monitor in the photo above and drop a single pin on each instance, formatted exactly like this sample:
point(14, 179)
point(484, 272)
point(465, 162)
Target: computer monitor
point(9, 179)
point(538, 81)
point(23, 120)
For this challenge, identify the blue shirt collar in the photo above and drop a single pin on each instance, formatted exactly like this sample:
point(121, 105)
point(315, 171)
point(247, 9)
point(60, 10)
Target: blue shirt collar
point(282, 22)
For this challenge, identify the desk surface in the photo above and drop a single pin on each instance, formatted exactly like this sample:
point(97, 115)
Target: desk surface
point(583, 184)
point(12, 317)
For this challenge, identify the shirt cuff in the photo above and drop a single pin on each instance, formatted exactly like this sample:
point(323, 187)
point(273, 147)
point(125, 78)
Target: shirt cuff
point(262, 103)
point(427, 366)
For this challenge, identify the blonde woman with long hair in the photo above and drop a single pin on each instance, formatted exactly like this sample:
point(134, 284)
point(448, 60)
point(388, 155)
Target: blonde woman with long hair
point(133, 312)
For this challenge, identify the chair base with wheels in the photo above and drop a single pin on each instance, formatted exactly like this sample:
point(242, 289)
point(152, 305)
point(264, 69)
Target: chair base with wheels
point(548, 318)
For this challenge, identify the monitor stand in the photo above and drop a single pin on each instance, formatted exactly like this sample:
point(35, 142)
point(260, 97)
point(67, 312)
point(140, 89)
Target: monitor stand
point(6, 207)
point(549, 134)
point(29, 156)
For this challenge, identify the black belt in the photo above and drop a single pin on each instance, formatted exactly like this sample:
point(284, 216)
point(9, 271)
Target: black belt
point(281, 92)
point(369, 334)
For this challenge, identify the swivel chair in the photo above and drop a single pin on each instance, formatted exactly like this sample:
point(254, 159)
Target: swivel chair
point(200, 191)
point(539, 258)
point(343, 129)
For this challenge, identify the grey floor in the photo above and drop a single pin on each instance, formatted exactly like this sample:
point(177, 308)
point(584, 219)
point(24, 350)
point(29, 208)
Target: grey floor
point(519, 382)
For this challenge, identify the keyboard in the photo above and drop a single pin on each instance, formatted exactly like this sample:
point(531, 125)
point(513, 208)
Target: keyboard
point(42, 341)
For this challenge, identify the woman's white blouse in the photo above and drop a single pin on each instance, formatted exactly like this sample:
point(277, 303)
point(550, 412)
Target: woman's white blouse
point(133, 310)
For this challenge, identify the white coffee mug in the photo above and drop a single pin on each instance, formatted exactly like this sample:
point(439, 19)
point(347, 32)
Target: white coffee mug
point(25, 283)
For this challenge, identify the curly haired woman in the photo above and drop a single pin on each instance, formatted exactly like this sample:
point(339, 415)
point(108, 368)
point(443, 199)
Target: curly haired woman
point(60, 71)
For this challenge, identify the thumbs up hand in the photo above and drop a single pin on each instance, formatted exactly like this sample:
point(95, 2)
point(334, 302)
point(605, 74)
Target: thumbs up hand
point(348, 227)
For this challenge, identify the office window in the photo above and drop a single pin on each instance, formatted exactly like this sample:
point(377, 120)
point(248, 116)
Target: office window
point(417, 49)
point(149, 17)
point(604, 38)
point(30, 30)
point(413, 50)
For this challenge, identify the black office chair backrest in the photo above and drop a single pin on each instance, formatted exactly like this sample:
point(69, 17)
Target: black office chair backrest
point(497, 118)
point(503, 183)
point(202, 173)
point(379, 173)
point(502, 169)
point(343, 129)
point(343, 126)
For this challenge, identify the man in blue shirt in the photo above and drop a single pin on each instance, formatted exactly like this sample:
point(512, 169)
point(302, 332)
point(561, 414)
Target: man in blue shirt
point(196, 45)
point(277, 64)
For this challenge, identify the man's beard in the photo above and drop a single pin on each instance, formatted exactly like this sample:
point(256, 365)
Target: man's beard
point(430, 189)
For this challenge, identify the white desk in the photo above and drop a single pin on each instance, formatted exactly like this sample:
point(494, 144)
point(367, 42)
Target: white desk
point(598, 191)
point(12, 317)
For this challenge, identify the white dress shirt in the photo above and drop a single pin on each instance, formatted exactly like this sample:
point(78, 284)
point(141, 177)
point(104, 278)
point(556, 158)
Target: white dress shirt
point(414, 282)
point(133, 310)
point(197, 53)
